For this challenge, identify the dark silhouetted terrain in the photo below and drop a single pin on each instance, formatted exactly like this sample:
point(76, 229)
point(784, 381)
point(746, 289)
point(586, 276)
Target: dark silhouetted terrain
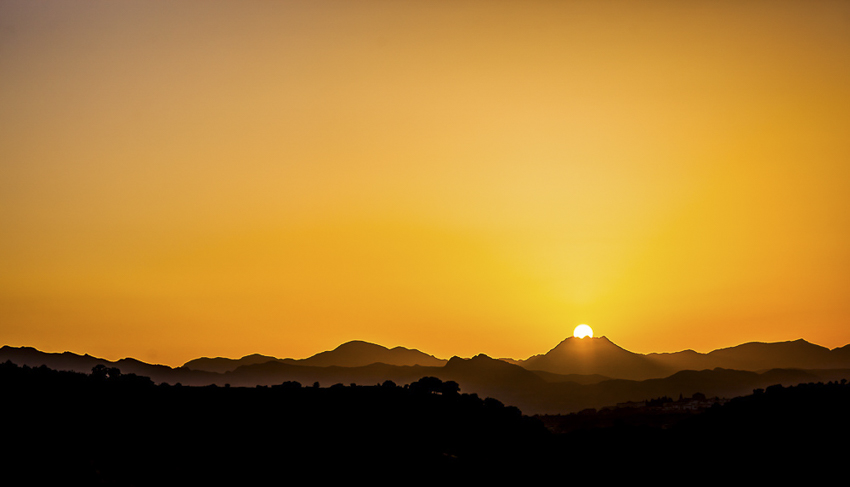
point(534, 391)
point(110, 428)
point(595, 356)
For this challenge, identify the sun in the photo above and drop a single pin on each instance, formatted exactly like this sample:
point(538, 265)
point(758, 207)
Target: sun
point(582, 331)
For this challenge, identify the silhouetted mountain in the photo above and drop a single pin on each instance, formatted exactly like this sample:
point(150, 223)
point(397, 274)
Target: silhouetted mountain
point(584, 361)
point(481, 374)
point(221, 365)
point(840, 356)
point(588, 356)
point(756, 356)
point(56, 361)
point(490, 377)
point(534, 391)
point(68, 361)
point(98, 429)
point(74, 362)
point(359, 353)
point(526, 389)
point(355, 353)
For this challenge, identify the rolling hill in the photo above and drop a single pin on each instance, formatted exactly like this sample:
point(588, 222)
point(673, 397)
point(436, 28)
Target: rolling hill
point(574, 375)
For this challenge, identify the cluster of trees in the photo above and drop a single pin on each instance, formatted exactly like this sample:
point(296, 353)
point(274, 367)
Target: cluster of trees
point(113, 428)
point(109, 428)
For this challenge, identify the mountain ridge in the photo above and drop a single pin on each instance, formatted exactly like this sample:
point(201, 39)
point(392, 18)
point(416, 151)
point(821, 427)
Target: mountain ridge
point(533, 391)
point(354, 353)
point(577, 357)
point(598, 355)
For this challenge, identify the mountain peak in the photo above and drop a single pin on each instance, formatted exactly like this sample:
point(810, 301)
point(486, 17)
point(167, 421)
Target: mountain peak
point(596, 355)
point(358, 353)
point(362, 345)
point(481, 365)
point(259, 356)
point(575, 343)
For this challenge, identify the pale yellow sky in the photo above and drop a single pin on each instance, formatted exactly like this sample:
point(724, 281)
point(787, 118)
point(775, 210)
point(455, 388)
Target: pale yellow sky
point(223, 178)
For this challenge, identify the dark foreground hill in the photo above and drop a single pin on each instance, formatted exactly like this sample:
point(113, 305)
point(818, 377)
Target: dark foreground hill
point(108, 428)
point(779, 435)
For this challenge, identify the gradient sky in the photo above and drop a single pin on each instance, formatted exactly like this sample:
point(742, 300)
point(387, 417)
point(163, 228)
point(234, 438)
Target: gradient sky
point(183, 179)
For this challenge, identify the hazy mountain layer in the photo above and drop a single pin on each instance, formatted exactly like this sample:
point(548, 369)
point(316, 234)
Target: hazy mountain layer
point(601, 356)
point(588, 356)
point(351, 354)
point(576, 374)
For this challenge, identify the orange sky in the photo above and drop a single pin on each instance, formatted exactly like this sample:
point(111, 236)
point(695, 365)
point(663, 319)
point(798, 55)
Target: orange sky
point(180, 179)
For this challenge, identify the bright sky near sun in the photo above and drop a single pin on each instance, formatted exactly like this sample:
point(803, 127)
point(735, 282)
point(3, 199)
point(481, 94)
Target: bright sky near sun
point(183, 179)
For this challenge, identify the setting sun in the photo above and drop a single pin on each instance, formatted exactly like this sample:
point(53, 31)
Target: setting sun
point(354, 233)
point(582, 331)
point(463, 179)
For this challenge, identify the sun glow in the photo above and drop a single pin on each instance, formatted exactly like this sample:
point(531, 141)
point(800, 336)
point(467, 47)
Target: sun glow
point(403, 175)
point(582, 331)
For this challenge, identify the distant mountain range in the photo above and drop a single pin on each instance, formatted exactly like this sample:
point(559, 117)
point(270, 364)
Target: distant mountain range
point(601, 356)
point(578, 357)
point(574, 375)
point(351, 354)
